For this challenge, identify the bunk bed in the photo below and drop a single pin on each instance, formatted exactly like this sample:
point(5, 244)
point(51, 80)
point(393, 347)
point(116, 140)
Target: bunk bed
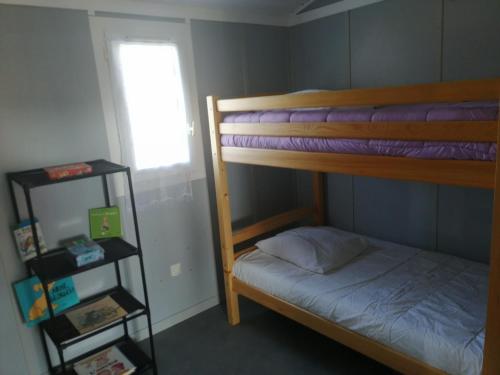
point(309, 131)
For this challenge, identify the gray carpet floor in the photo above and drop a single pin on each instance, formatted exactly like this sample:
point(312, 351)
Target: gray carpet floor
point(263, 343)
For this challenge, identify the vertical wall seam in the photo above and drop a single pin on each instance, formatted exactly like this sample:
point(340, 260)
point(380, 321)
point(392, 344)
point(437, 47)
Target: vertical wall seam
point(441, 76)
point(349, 85)
point(349, 57)
point(441, 51)
point(244, 65)
point(289, 59)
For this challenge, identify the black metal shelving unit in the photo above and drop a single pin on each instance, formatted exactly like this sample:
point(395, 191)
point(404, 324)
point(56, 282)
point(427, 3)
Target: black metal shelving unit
point(56, 264)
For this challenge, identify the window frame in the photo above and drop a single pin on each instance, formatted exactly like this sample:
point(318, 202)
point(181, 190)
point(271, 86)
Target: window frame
point(107, 31)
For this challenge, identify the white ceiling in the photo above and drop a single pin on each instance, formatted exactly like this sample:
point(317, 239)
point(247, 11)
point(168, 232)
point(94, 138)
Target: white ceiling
point(274, 7)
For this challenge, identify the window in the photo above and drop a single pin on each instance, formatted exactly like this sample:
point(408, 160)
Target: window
point(154, 96)
point(146, 73)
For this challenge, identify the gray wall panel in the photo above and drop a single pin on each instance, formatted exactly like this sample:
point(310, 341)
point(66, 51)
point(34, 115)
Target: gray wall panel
point(319, 54)
point(396, 42)
point(340, 201)
point(471, 39)
point(266, 59)
point(402, 212)
point(399, 42)
point(464, 222)
point(275, 191)
point(236, 60)
point(389, 46)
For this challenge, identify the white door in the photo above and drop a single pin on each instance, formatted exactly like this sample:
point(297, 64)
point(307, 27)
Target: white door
point(146, 73)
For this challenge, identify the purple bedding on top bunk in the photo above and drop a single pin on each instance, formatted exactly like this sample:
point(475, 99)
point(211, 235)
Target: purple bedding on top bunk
point(478, 111)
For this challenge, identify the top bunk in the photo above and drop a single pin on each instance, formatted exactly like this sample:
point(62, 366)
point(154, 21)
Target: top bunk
point(441, 133)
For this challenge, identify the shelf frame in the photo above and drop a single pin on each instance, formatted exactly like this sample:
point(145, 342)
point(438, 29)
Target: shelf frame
point(145, 363)
point(34, 178)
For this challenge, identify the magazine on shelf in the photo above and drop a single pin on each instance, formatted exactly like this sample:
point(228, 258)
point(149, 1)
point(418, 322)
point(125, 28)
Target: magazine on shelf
point(110, 361)
point(95, 315)
point(25, 241)
point(32, 301)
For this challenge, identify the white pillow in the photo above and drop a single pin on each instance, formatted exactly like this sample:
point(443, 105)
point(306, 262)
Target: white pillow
point(316, 249)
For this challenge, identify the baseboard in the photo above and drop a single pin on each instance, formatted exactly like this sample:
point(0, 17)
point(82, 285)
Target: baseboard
point(177, 318)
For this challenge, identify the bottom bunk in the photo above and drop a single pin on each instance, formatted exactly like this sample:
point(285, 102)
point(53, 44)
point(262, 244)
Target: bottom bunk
point(414, 310)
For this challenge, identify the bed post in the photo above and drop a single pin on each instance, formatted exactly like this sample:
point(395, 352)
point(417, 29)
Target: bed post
point(319, 198)
point(223, 210)
point(491, 360)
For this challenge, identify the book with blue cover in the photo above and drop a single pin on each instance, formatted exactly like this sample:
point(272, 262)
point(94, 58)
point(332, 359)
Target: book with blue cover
point(84, 251)
point(32, 299)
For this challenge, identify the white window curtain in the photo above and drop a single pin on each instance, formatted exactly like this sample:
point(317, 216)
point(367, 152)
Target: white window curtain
point(152, 119)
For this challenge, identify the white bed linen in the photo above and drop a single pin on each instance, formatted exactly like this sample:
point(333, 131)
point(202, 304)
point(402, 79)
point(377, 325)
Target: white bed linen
point(428, 305)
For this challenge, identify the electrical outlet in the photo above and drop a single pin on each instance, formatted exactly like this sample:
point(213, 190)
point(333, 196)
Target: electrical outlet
point(175, 269)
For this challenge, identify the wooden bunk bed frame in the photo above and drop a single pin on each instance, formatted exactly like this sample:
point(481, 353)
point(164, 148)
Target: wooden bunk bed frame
point(482, 174)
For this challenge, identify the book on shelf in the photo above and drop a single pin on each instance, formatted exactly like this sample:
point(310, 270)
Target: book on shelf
point(67, 170)
point(25, 241)
point(110, 361)
point(95, 315)
point(32, 301)
point(105, 222)
point(83, 250)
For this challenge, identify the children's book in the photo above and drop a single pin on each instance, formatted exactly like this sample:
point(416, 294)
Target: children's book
point(25, 241)
point(95, 315)
point(105, 222)
point(110, 361)
point(67, 170)
point(32, 300)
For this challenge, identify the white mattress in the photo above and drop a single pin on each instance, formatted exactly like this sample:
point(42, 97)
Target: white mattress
point(428, 305)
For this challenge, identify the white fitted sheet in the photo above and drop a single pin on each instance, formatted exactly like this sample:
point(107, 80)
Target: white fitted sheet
point(428, 305)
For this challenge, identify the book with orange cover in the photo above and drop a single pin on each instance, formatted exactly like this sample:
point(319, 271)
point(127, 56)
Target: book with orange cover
point(67, 170)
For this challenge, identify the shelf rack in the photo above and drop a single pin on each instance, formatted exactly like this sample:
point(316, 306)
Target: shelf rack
point(56, 264)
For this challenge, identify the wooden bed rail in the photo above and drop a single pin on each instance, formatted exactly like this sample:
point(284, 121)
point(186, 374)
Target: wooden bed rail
point(457, 91)
point(470, 173)
point(270, 224)
point(453, 131)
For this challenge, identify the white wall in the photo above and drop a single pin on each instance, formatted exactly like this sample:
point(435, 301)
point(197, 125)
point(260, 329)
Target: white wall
point(50, 113)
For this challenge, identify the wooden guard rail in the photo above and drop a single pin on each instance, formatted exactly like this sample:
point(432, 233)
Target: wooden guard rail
point(455, 131)
point(271, 224)
point(459, 91)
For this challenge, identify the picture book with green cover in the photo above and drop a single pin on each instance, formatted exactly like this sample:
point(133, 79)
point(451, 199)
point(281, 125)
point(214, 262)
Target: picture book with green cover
point(105, 222)
point(33, 303)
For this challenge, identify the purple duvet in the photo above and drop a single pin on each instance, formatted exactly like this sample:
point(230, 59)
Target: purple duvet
point(479, 111)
